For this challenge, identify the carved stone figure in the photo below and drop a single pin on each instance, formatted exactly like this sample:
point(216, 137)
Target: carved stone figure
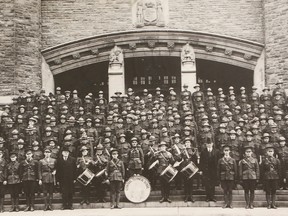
point(187, 54)
point(116, 57)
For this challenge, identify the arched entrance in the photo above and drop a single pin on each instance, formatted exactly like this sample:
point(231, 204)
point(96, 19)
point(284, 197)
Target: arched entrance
point(211, 51)
point(87, 79)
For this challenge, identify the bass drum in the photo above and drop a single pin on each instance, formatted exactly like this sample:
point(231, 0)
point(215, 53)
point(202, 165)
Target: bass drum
point(137, 189)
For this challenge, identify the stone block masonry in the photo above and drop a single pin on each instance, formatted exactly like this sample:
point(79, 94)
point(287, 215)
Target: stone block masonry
point(20, 34)
point(68, 20)
point(276, 41)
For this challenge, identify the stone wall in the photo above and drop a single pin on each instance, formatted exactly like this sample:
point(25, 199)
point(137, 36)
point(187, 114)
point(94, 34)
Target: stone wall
point(20, 58)
point(276, 41)
point(68, 20)
point(7, 47)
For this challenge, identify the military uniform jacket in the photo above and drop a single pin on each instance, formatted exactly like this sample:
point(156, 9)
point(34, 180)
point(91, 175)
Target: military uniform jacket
point(227, 169)
point(2, 170)
point(83, 163)
point(123, 151)
point(46, 167)
point(165, 158)
point(101, 162)
point(13, 172)
point(283, 157)
point(29, 170)
point(115, 170)
point(135, 158)
point(271, 168)
point(249, 169)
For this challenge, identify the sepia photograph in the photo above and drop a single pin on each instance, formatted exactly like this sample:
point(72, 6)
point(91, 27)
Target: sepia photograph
point(144, 107)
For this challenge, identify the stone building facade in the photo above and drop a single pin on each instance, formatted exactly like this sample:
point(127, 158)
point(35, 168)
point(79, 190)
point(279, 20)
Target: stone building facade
point(41, 39)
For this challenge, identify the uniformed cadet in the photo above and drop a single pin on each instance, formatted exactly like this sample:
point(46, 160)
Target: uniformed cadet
point(84, 162)
point(37, 152)
point(282, 153)
point(271, 173)
point(165, 159)
point(188, 154)
point(249, 175)
point(100, 163)
point(13, 181)
point(116, 175)
point(47, 172)
point(20, 151)
point(227, 174)
point(29, 175)
point(135, 158)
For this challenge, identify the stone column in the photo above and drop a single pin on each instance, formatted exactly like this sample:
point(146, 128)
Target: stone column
point(259, 73)
point(188, 67)
point(48, 83)
point(116, 80)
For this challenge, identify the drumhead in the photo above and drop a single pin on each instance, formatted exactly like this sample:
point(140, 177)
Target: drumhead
point(137, 189)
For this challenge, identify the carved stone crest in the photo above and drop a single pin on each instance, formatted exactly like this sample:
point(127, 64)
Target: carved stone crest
point(150, 13)
point(116, 58)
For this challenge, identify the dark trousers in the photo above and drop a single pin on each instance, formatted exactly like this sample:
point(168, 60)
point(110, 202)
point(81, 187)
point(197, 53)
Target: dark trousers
point(209, 189)
point(249, 186)
point(67, 195)
point(14, 190)
point(2, 190)
point(48, 189)
point(227, 186)
point(100, 188)
point(29, 190)
point(85, 192)
point(115, 188)
point(165, 188)
point(188, 187)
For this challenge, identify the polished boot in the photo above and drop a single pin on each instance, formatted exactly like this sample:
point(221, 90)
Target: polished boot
point(186, 198)
point(191, 199)
point(12, 205)
point(268, 201)
point(112, 200)
point(273, 205)
point(225, 201)
point(27, 204)
point(247, 200)
point(32, 203)
point(45, 203)
point(1, 205)
point(16, 201)
point(50, 198)
point(117, 201)
point(230, 200)
point(252, 196)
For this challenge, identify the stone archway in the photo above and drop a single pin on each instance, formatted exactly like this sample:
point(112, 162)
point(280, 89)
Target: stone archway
point(219, 48)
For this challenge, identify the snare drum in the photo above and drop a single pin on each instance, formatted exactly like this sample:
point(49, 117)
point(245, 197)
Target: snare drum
point(189, 170)
point(169, 173)
point(86, 177)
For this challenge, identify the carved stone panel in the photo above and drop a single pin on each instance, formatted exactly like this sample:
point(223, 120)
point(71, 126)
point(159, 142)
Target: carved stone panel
point(150, 13)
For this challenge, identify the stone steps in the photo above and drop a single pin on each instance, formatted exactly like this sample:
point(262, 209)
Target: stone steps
point(177, 196)
point(154, 204)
